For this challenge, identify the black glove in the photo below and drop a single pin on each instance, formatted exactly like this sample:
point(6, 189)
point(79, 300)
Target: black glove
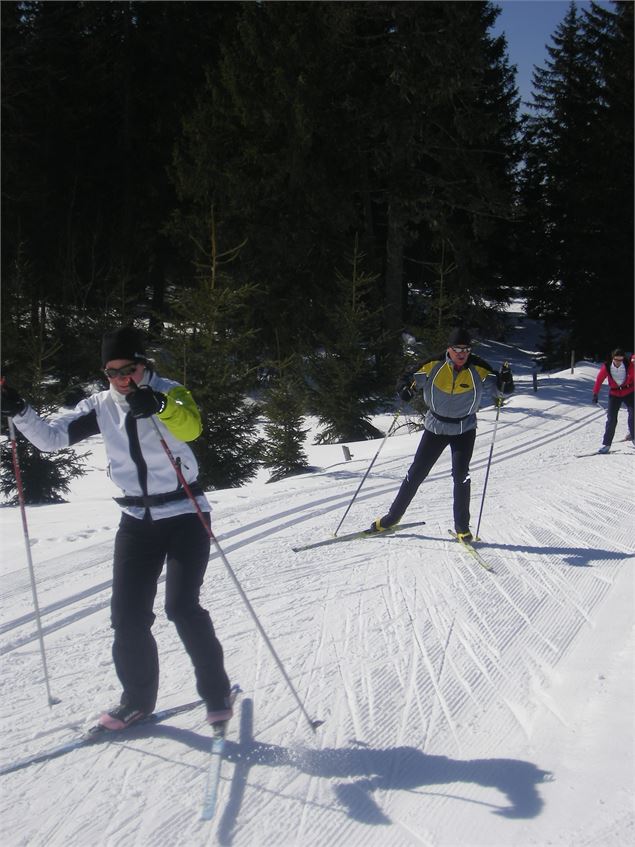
point(505, 380)
point(11, 402)
point(406, 387)
point(595, 398)
point(144, 402)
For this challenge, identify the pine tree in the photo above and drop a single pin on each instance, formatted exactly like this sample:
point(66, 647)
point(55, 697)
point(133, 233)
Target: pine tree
point(46, 477)
point(93, 95)
point(578, 180)
point(265, 145)
point(609, 40)
point(285, 434)
point(343, 373)
point(391, 120)
point(443, 146)
point(210, 353)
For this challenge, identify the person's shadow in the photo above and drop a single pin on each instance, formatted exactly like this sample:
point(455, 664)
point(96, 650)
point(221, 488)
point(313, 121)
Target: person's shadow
point(359, 771)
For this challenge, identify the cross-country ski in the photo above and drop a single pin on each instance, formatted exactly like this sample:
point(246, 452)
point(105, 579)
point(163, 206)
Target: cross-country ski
point(219, 731)
point(354, 536)
point(472, 551)
point(95, 735)
point(607, 453)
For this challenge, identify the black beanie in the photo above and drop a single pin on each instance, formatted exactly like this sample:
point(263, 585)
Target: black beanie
point(459, 336)
point(124, 343)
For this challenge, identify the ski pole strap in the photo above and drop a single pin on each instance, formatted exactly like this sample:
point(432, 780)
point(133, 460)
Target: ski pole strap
point(149, 500)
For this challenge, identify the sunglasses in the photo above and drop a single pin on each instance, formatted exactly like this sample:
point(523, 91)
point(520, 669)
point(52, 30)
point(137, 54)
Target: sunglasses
point(127, 370)
point(461, 349)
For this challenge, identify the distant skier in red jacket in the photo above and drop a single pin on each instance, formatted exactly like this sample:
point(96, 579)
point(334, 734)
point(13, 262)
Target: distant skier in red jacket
point(618, 369)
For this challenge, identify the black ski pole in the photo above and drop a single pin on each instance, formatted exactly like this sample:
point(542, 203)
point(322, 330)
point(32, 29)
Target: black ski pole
point(313, 724)
point(359, 487)
point(489, 462)
point(27, 543)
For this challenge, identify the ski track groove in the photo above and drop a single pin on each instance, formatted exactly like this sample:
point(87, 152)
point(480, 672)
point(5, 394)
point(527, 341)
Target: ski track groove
point(476, 613)
point(495, 688)
point(435, 683)
point(391, 627)
point(358, 730)
point(413, 696)
point(441, 638)
point(407, 678)
point(506, 594)
point(553, 578)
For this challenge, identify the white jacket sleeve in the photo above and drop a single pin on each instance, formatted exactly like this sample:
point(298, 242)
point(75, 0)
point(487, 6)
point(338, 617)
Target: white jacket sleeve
point(69, 428)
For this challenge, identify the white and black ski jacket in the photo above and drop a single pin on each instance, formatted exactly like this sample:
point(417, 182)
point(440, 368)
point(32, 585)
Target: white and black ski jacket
point(137, 462)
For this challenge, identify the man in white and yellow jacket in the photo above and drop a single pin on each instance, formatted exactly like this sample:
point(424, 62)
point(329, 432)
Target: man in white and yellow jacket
point(159, 522)
point(452, 384)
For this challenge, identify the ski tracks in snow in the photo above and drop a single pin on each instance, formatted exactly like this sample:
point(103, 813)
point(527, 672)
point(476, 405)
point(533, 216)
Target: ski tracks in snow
point(413, 655)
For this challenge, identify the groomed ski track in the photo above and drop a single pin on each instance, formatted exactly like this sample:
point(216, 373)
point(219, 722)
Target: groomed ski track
point(435, 678)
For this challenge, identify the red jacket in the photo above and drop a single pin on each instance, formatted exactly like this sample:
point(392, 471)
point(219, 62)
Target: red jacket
point(614, 389)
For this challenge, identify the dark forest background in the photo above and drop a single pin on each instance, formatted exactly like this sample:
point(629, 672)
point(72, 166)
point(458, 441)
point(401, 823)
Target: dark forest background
point(286, 188)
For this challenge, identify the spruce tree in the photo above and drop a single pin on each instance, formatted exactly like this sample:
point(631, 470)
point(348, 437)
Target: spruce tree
point(395, 121)
point(93, 95)
point(266, 144)
point(46, 477)
point(442, 145)
point(578, 180)
point(608, 35)
point(208, 351)
point(343, 372)
point(283, 408)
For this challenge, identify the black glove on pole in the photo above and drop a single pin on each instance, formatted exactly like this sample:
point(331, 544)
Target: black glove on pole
point(12, 404)
point(406, 387)
point(145, 401)
point(505, 379)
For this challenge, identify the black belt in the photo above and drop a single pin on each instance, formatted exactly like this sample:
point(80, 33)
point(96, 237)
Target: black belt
point(450, 420)
point(149, 500)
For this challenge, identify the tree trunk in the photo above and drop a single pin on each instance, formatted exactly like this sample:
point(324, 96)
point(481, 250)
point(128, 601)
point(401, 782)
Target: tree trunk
point(394, 289)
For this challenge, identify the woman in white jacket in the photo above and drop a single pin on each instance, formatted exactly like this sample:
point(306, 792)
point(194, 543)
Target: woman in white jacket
point(159, 523)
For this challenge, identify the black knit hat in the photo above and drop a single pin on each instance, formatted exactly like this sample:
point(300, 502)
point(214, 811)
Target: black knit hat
point(124, 343)
point(459, 336)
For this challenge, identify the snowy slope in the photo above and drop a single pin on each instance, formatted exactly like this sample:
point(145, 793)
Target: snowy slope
point(460, 707)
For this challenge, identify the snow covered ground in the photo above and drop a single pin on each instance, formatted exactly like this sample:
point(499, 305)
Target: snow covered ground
point(461, 707)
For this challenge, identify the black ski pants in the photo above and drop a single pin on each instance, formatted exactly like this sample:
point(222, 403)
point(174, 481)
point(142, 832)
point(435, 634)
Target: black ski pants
point(141, 549)
point(428, 452)
point(611, 417)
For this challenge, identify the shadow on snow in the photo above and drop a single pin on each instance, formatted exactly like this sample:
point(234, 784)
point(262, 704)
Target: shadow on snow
point(359, 771)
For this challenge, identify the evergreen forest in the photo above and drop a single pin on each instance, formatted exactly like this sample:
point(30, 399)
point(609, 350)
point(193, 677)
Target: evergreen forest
point(280, 192)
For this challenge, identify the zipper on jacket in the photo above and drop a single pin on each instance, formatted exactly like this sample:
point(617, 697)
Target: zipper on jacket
point(137, 457)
